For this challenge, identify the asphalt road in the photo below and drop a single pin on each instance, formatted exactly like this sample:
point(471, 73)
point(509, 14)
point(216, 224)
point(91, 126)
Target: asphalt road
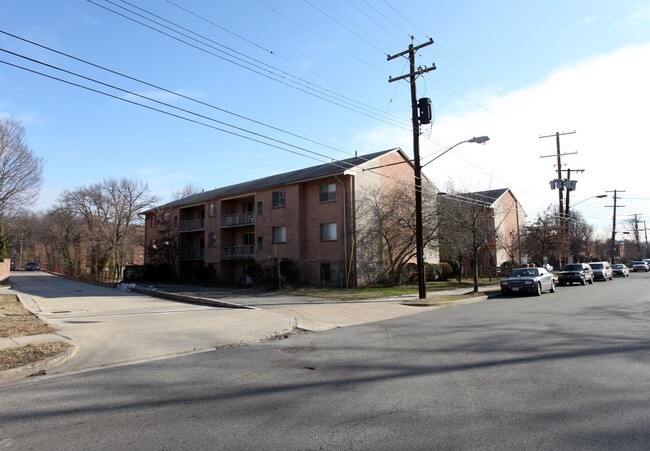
point(568, 370)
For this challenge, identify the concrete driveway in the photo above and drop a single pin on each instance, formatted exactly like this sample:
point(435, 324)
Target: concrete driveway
point(111, 327)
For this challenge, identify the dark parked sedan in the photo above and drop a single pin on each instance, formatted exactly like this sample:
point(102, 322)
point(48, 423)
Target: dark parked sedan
point(575, 272)
point(528, 280)
point(32, 266)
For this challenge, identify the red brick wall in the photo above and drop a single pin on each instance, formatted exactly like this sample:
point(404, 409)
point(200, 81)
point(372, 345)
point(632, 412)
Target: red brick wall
point(5, 268)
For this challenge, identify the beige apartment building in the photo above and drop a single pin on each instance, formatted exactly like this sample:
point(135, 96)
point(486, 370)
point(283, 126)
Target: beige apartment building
point(307, 217)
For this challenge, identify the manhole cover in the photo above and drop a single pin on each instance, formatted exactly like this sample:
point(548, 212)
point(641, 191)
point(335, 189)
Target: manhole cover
point(298, 349)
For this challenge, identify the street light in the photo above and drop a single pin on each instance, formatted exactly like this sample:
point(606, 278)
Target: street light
point(599, 196)
point(419, 240)
point(476, 139)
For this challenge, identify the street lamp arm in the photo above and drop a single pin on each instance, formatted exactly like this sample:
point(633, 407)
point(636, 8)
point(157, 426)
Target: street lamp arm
point(599, 196)
point(478, 140)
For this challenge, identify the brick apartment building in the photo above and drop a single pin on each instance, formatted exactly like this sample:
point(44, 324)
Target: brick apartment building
point(308, 217)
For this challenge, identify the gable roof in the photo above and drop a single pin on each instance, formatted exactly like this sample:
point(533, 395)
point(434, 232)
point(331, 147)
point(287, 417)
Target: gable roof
point(489, 196)
point(301, 175)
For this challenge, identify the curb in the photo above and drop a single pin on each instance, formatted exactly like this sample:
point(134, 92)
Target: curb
point(36, 368)
point(447, 303)
point(191, 299)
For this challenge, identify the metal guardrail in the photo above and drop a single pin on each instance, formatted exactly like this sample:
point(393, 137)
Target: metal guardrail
point(192, 254)
point(238, 219)
point(192, 225)
point(241, 252)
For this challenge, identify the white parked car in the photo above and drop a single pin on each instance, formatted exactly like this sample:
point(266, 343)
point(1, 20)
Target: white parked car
point(620, 270)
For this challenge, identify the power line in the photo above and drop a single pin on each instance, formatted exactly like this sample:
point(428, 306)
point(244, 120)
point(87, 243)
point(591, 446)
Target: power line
point(314, 155)
point(264, 49)
point(170, 91)
point(266, 72)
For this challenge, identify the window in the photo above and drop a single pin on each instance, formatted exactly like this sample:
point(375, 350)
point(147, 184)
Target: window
point(328, 192)
point(279, 199)
point(153, 221)
point(166, 216)
point(212, 209)
point(260, 242)
point(328, 232)
point(260, 207)
point(280, 234)
point(212, 240)
point(247, 239)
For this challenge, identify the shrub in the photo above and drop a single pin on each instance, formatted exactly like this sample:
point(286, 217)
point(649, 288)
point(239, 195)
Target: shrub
point(432, 271)
point(455, 267)
point(445, 271)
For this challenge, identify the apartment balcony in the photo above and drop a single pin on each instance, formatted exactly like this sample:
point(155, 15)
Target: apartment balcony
point(192, 225)
point(191, 254)
point(242, 252)
point(238, 219)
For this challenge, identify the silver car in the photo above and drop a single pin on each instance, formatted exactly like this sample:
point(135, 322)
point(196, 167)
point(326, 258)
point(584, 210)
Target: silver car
point(528, 280)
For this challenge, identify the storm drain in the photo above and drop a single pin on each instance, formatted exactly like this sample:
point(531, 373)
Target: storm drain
point(298, 349)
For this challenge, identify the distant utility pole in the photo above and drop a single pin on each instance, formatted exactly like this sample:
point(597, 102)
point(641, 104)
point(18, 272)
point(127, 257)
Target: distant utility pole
point(558, 183)
point(615, 206)
point(413, 73)
point(637, 238)
point(570, 186)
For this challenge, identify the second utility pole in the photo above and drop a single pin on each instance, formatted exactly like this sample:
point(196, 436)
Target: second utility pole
point(419, 239)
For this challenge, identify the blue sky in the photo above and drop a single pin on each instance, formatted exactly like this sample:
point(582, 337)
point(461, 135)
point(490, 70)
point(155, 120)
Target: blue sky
point(511, 70)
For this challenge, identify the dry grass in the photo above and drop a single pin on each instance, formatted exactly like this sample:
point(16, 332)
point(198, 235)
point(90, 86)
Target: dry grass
point(17, 321)
point(15, 357)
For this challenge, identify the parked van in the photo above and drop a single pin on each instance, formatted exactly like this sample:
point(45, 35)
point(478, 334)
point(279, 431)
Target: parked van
point(602, 271)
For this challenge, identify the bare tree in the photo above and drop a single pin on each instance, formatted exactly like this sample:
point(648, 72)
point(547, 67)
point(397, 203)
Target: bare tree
point(186, 191)
point(165, 250)
point(20, 174)
point(544, 237)
point(386, 229)
point(467, 227)
point(109, 213)
point(580, 235)
point(20, 170)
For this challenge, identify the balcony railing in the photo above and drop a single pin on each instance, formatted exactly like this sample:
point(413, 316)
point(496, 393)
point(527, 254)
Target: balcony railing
point(238, 219)
point(191, 226)
point(242, 252)
point(192, 254)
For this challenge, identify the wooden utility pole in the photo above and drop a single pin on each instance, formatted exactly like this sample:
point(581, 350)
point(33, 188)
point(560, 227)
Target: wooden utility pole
point(413, 73)
point(559, 183)
point(615, 206)
point(558, 155)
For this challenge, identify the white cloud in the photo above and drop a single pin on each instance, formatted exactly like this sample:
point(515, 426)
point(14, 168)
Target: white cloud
point(604, 99)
